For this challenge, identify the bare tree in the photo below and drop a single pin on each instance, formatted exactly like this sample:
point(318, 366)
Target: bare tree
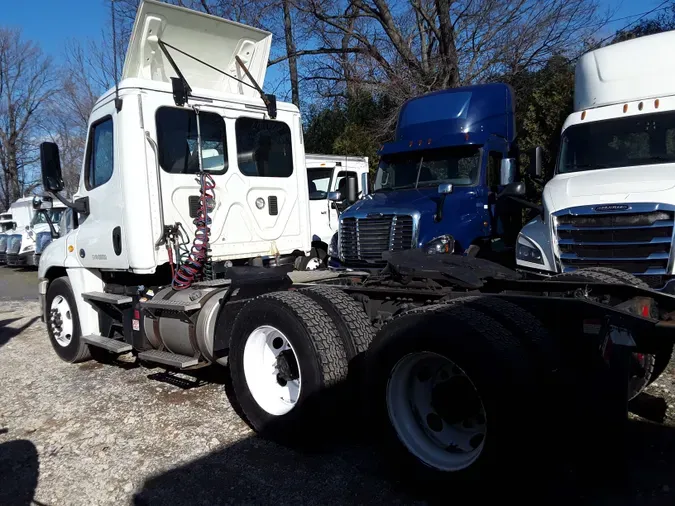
point(87, 73)
point(26, 84)
point(402, 48)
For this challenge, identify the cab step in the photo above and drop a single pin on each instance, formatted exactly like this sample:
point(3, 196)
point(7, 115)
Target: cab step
point(171, 305)
point(110, 298)
point(168, 358)
point(107, 343)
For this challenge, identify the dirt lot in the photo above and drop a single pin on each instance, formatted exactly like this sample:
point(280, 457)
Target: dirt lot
point(119, 434)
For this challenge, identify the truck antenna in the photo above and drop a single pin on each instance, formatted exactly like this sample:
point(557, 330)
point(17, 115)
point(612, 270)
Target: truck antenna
point(118, 100)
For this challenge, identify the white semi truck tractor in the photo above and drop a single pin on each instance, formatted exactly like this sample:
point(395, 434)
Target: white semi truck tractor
point(192, 199)
point(17, 244)
point(611, 201)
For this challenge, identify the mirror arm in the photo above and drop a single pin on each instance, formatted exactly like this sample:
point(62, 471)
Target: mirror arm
point(80, 205)
point(52, 229)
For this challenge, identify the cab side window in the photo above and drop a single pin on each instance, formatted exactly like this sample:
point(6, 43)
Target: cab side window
point(177, 141)
point(264, 148)
point(100, 153)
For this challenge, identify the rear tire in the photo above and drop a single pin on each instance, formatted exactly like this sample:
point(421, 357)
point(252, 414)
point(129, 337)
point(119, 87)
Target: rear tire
point(522, 324)
point(496, 366)
point(63, 322)
point(287, 364)
point(348, 315)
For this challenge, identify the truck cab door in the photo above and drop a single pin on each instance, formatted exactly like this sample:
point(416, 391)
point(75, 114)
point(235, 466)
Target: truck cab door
point(320, 212)
point(100, 241)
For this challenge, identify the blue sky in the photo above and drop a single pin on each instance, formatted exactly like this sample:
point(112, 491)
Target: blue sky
point(52, 22)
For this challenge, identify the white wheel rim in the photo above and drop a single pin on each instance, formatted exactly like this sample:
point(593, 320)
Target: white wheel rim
point(438, 440)
point(267, 357)
point(313, 264)
point(61, 320)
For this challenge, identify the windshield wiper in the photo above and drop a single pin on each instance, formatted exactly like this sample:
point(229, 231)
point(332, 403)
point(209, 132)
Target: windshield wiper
point(393, 188)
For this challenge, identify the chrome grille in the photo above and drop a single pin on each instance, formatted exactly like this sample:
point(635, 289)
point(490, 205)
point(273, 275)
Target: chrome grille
point(42, 240)
point(365, 239)
point(636, 242)
point(14, 244)
point(3, 243)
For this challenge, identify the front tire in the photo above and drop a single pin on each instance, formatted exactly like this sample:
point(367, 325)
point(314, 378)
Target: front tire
point(63, 322)
point(287, 364)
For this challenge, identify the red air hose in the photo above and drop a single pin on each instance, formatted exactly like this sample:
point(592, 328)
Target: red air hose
point(192, 267)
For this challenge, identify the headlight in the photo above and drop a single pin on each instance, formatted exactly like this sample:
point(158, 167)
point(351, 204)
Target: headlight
point(333, 246)
point(28, 247)
point(442, 244)
point(528, 252)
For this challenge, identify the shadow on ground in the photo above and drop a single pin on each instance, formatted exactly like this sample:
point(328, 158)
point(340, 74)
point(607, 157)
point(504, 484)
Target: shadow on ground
point(19, 471)
point(7, 333)
point(344, 466)
point(256, 471)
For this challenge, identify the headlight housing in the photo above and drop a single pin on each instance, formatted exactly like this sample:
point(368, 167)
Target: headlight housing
point(333, 246)
point(527, 251)
point(442, 244)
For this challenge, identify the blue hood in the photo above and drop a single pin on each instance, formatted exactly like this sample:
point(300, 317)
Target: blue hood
point(463, 213)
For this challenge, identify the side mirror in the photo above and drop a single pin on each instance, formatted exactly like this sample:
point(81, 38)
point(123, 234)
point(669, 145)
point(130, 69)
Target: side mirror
point(334, 196)
point(507, 171)
point(52, 179)
point(351, 190)
point(445, 188)
point(536, 161)
point(513, 190)
point(42, 203)
point(364, 184)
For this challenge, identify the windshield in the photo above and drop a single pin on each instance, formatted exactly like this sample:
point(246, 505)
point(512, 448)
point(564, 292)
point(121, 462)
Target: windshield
point(318, 181)
point(619, 142)
point(41, 217)
point(456, 165)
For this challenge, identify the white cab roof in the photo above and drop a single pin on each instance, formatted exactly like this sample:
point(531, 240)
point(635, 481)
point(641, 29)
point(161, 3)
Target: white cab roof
point(314, 160)
point(211, 39)
point(632, 70)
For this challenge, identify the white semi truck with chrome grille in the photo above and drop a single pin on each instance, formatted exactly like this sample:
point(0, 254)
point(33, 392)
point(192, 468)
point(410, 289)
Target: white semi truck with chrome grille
point(611, 202)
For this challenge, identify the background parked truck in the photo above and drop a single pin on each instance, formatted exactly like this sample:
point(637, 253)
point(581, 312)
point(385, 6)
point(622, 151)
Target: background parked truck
point(441, 183)
point(327, 174)
point(611, 201)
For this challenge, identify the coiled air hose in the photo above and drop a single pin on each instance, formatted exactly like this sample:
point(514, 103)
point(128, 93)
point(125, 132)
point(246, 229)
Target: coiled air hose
point(193, 266)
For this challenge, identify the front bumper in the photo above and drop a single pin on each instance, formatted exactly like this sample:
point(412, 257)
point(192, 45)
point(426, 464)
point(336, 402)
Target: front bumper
point(3, 258)
point(21, 260)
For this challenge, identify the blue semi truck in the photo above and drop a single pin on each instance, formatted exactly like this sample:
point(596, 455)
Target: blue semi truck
point(441, 184)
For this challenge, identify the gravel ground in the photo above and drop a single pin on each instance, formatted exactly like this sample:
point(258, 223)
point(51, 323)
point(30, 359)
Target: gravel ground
point(116, 434)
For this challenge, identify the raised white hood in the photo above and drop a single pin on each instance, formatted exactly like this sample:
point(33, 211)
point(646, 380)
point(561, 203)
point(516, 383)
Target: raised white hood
point(211, 39)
